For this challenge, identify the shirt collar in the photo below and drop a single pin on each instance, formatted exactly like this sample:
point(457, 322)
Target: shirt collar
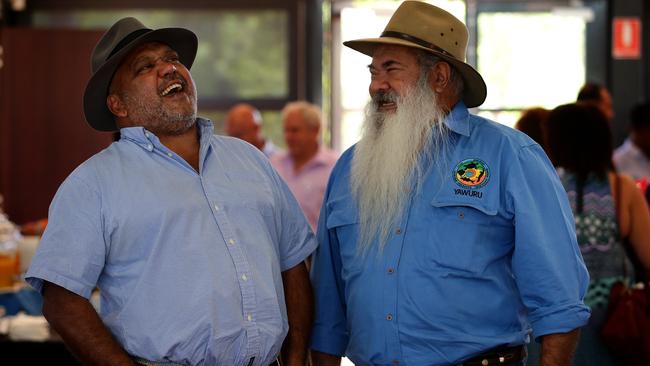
point(148, 140)
point(458, 119)
point(206, 130)
point(319, 159)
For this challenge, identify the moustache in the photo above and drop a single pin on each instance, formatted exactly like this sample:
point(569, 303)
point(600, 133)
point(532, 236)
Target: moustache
point(381, 97)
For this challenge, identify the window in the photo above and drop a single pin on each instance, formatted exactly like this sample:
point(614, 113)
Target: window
point(530, 59)
point(245, 54)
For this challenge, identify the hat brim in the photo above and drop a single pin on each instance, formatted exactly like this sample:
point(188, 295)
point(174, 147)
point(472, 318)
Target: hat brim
point(474, 91)
point(97, 114)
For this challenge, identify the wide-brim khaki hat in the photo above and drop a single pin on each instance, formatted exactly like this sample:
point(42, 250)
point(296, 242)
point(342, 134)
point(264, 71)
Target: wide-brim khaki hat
point(423, 26)
point(108, 54)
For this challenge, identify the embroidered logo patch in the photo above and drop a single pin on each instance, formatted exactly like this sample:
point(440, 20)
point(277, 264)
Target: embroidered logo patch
point(472, 173)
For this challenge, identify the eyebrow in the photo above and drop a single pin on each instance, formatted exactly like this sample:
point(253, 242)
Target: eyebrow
point(148, 57)
point(385, 65)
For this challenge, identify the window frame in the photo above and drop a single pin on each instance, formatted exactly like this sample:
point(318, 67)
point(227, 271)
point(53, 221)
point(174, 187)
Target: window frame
point(300, 86)
point(596, 60)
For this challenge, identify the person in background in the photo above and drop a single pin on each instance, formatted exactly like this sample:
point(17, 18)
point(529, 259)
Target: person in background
point(444, 238)
point(195, 243)
point(579, 140)
point(532, 123)
point(307, 164)
point(244, 121)
point(633, 157)
point(599, 96)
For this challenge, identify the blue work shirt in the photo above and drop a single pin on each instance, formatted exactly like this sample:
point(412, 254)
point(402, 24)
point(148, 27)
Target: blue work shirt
point(485, 250)
point(188, 264)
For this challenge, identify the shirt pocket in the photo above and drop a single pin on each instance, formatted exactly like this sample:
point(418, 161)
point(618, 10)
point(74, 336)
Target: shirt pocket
point(468, 237)
point(343, 223)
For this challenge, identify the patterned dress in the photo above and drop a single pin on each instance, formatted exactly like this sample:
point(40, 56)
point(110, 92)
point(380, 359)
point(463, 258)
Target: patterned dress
point(604, 255)
point(598, 237)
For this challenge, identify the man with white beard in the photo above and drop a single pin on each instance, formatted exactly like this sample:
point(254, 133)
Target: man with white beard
point(445, 238)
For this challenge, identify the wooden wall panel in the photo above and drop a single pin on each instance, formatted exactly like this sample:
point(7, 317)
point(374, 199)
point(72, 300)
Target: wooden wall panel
point(43, 134)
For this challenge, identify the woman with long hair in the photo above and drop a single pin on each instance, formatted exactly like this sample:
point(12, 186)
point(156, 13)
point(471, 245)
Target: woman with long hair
point(579, 142)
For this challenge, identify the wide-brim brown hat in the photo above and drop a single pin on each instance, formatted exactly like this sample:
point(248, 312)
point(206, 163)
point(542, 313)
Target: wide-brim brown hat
point(419, 25)
point(108, 54)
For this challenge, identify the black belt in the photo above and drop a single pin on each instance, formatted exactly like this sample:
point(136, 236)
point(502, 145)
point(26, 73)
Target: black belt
point(498, 356)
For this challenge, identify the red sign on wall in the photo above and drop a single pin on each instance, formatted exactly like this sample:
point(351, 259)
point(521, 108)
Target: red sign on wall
point(626, 38)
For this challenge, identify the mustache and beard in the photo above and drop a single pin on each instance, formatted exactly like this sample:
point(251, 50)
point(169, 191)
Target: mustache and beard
point(388, 160)
point(163, 119)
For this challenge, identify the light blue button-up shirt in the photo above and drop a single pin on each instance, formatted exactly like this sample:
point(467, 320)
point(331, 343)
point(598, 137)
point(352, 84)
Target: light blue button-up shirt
point(188, 264)
point(483, 253)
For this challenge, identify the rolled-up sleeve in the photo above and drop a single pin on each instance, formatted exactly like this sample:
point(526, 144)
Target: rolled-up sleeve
point(547, 264)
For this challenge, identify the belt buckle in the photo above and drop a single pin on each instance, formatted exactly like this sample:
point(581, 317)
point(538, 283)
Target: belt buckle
point(486, 362)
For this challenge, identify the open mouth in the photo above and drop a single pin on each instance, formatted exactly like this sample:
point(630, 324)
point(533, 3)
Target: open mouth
point(172, 89)
point(386, 106)
point(385, 101)
point(382, 106)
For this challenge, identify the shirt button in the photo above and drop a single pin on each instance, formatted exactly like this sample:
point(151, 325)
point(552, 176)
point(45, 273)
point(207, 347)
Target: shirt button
point(250, 318)
point(398, 231)
point(216, 207)
point(231, 241)
point(461, 215)
point(391, 271)
point(395, 362)
point(150, 147)
point(243, 277)
point(389, 317)
point(169, 154)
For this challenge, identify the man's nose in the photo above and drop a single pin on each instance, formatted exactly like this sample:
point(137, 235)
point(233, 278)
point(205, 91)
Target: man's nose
point(378, 84)
point(167, 68)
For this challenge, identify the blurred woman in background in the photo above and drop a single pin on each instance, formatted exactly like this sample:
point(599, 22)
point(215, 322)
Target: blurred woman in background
point(579, 142)
point(532, 123)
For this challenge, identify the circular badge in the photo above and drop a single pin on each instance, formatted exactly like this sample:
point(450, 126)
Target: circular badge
point(471, 173)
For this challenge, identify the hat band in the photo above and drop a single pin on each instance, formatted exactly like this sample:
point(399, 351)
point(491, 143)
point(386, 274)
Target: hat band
point(416, 40)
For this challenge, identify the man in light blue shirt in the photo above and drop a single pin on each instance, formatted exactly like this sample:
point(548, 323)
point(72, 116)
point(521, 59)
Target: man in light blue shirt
point(195, 243)
point(445, 238)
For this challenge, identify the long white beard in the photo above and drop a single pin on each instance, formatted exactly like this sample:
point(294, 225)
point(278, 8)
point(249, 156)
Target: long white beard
point(387, 160)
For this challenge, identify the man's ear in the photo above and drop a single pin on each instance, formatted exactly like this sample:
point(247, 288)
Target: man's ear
point(116, 106)
point(439, 76)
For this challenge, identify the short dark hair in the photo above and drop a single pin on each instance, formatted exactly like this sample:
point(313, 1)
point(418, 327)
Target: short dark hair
point(590, 92)
point(640, 116)
point(579, 139)
point(532, 123)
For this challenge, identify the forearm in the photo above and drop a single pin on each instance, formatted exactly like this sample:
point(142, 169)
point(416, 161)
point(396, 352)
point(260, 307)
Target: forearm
point(558, 348)
point(83, 332)
point(324, 359)
point(300, 304)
